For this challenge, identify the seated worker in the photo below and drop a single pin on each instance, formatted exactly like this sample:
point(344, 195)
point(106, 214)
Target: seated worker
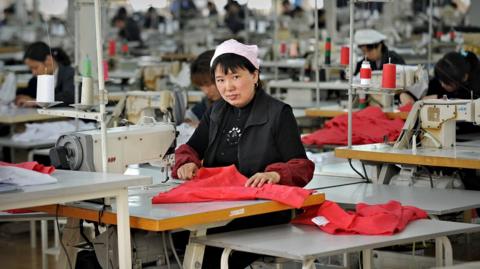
point(42, 60)
point(127, 28)
point(371, 42)
point(201, 78)
point(456, 75)
point(247, 128)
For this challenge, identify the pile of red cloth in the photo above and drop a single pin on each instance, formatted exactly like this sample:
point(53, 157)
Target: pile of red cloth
point(34, 166)
point(227, 184)
point(369, 125)
point(382, 219)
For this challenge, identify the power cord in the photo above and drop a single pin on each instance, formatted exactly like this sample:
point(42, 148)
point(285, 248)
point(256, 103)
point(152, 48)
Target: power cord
point(353, 168)
point(61, 242)
point(365, 173)
point(175, 254)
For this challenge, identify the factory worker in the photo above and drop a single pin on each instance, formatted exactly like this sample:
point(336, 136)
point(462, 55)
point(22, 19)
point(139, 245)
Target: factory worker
point(371, 43)
point(201, 78)
point(250, 129)
point(42, 60)
point(456, 75)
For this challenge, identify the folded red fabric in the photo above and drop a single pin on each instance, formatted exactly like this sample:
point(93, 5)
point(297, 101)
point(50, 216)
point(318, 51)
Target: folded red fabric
point(369, 125)
point(381, 219)
point(227, 184)
point(34, 166)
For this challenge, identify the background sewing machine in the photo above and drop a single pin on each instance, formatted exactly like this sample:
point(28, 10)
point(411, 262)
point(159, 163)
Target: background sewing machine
point(431, 124)
point(434, 122)
point(143, 143)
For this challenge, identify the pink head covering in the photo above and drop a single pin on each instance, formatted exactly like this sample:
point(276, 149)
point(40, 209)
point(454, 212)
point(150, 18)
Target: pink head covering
point(233, 46)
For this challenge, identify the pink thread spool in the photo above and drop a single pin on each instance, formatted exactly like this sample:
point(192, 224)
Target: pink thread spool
point(365, 73)
point(344, 55)
point(389, 76)
point(105, 70)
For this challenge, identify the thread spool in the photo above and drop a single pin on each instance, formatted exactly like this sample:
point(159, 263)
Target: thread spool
point(344, 55)
point(112, 48)
point(328, 50)
point(389, 76)
point(124, 48)
point(87, 67)
point(87, 91)
point(362, 100)
point(293, 51)
point(283, 49)
point(105, 70)
point(365, 73)
point(45, 88)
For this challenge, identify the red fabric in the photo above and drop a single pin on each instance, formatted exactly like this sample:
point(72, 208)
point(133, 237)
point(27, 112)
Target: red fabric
point(369, 126)
point(296, 172)
point(227, 184)
point(382, 219)
point(405, 108)
point(185, 154)
point(34, 166)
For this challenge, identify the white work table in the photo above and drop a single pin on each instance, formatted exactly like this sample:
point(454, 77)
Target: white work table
point(76, 186)
point(196, 217)
point(325, 181)
point(322, 85)
point(21, 115)
point(306, 243)
point(433, 201)
point(458, 157)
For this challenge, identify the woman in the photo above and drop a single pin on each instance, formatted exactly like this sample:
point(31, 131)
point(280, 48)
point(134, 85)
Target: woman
point(250, 129)
point(456, 75)
point(200, 77)
point(372, 45)
point(42, 60)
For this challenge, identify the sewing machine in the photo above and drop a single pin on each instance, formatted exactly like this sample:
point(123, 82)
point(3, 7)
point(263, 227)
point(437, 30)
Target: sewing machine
point(144, 143)
point(436, 121)
point(433, 122)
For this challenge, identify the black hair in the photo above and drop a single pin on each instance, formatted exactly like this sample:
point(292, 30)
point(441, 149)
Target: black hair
point(200, 69)
point(374, 46)
point(39, 51)
point(452, 68)
point(232, 62)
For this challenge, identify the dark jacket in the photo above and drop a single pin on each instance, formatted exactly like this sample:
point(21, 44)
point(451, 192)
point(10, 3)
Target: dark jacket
point(472, 85)
point(265, 145)
point(64, 89)
point(387, 55)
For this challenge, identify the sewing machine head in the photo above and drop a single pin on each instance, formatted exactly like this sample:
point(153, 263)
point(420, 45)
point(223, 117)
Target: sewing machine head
point(135, 144)
point(436, 120)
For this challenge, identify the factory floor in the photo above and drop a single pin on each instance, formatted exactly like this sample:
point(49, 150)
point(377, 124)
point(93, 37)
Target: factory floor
point(16, 253)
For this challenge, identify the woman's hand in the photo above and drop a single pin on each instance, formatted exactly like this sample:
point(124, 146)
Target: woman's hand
point(22, 101)
point(259, 179)
point(187, 171)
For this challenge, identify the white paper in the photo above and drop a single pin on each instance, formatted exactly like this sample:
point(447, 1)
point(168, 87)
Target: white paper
point(45, 88)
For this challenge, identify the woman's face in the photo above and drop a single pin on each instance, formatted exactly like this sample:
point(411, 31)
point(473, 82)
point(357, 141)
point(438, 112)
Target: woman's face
point(210, 90)
point(236, 88)
point(40, 68)
point(372, 54)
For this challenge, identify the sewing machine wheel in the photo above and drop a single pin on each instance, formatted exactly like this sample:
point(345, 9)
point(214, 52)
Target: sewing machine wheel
point(74, 150)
